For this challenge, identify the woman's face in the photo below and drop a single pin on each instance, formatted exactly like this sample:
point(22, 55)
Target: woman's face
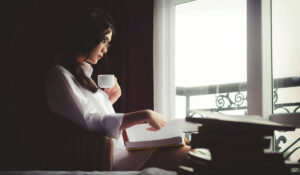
point(97, 53)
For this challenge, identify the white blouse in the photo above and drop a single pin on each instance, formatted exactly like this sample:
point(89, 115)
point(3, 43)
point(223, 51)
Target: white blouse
point(92, 111)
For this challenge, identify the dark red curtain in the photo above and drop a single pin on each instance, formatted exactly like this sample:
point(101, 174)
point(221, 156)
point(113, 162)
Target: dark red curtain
point(131, 57)
point(32, 29)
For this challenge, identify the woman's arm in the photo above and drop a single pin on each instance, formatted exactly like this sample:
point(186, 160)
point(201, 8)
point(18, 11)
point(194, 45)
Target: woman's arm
point(155, 120)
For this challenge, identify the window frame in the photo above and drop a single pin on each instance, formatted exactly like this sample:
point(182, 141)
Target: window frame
point(259, 57)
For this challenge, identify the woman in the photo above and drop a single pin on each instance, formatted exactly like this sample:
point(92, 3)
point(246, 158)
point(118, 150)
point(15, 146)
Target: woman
point(73, 94)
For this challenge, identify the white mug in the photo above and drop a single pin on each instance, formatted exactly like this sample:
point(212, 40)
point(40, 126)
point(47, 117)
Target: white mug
point(106, 80)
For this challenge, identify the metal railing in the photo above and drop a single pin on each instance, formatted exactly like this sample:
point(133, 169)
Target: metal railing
point(235, 95)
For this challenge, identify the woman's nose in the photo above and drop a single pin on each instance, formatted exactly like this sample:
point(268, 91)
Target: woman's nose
point(104, 50)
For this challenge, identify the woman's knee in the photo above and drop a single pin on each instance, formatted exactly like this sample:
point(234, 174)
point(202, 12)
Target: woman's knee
point(168, 157)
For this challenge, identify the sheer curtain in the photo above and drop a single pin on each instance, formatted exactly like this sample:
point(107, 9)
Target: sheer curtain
point(163, 64)
point(163, 56)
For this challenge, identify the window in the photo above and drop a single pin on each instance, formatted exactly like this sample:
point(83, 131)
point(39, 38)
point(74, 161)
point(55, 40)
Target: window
point(177, 58)
point(211, 56)
point(286, 55)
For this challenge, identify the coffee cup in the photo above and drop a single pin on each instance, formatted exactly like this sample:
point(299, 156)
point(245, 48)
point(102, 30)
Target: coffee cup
point(106, 80)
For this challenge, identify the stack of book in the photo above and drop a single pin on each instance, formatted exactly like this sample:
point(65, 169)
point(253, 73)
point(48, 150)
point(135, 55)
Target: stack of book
point(229, 144)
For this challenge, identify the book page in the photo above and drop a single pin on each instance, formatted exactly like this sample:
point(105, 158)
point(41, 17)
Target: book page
point(140, 132)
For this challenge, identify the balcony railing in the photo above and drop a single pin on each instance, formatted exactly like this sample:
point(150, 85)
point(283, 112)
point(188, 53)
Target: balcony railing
point(233, 96)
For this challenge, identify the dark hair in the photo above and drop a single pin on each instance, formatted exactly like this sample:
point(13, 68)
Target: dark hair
point(84, 32)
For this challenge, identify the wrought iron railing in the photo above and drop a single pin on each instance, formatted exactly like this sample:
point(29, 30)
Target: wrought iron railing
point(233, 96)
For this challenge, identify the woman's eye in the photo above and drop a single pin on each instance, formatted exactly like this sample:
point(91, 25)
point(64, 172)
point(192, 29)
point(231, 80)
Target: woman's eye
point(103, 40)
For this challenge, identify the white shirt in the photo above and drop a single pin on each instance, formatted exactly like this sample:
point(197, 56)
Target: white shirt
point(92, 111)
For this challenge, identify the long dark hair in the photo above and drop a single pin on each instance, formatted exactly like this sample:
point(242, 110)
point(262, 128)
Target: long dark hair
point(84, 32)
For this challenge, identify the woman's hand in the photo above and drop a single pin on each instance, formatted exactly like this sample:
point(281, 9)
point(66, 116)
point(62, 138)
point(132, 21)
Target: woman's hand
point(155, 120)
point(114, 93)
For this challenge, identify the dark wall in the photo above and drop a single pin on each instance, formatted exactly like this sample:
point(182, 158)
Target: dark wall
point(32, 29)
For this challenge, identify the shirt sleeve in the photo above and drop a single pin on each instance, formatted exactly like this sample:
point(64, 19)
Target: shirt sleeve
point(65, 98)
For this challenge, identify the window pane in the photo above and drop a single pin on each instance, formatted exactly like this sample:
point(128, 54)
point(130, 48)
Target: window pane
point(286, 55)
point(210, 56)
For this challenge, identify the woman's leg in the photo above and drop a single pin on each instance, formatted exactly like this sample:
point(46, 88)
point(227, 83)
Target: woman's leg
point(168, 158)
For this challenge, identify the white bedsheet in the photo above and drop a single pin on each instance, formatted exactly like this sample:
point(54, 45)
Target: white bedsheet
point(147, 171)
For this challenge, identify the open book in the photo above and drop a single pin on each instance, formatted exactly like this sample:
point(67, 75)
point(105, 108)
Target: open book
point(140, 138)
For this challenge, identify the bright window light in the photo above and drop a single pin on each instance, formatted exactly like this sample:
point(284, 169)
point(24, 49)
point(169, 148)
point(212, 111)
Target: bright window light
point(210, 45)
